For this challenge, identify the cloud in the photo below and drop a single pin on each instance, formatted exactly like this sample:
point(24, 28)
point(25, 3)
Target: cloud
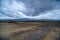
point(30, 9)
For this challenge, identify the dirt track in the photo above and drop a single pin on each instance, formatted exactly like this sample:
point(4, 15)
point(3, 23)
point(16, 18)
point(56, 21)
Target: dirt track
point(29, 31)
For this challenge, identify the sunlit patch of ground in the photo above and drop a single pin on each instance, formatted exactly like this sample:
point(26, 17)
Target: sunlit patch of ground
point(29, 31)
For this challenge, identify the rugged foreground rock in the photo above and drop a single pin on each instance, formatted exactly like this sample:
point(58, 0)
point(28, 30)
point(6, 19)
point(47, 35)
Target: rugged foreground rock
point(29, 31)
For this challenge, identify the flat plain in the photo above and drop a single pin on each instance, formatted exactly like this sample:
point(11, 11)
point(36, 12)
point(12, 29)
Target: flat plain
point(30, 30)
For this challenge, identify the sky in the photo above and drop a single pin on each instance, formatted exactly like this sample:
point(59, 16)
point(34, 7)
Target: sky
point(30, 9)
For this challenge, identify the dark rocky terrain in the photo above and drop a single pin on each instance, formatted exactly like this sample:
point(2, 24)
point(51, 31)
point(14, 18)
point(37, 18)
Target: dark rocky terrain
point(30, 30)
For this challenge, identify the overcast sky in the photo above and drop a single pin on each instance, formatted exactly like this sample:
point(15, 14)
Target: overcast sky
point(30, 9)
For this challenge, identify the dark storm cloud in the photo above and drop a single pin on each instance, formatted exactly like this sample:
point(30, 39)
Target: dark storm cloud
point(31, 9)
